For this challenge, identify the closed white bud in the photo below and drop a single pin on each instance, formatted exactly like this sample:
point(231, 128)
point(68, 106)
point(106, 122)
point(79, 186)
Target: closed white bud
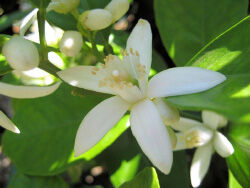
point(21, 54)
point(71, 43)
point(96, 19)
point(117, 8)
point(63, 6)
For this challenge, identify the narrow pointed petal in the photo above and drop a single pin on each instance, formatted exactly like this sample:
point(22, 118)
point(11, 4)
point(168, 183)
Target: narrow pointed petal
point(151, 134)
point(194, 137)
point(182, 81)
point(6, 123)
point(213, 120)
point(168, 112)
point(84, 77)
point(28, 21)
point(200, 164)
point(140, 40)
point(222, 145)
point(98, 122)
point(185, 124)
point(27, 92)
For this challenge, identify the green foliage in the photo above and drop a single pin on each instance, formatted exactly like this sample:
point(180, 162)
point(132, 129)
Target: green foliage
point(233, 183)
point(229, 52)
point(230, 98)
point(20, 180)
point(240, 160)
point(186, 26)
point(48, 127)
point(147, 178)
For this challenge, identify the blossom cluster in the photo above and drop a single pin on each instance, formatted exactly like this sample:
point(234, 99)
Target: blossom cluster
point(155, 123)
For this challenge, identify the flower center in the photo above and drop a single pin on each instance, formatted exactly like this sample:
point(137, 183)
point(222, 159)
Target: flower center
point(192, 139)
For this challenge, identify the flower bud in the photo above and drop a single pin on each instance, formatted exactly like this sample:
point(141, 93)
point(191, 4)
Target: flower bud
point(20, 53)
point(71, 43)
point(63, 6)
point(117, 8)
point(96, 19)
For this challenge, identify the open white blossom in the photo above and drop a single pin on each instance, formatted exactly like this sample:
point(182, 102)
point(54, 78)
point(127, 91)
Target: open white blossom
point(127, 79)
point(204, 136)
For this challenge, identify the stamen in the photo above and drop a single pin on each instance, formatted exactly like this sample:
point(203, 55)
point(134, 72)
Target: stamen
point(137, 53)
point(192, 139)
point(93, 72)
point(131, 51)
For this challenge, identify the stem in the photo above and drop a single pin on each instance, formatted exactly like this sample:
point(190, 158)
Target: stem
point(50, 68)
point(107, 47)
point(98, 55)
point(41, 27)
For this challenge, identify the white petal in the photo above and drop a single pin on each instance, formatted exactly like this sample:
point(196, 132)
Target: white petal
point(222, 145)
point(83, 77)
point(26, 92)
point(185, 124)
point(182, 81)
point(151, 134)
point(200, 164)
point(168, 112)
point(196, 136)
point(28, 21)
point(140, 40)
point(7, 123)
point(98, 122)
point(213, 120)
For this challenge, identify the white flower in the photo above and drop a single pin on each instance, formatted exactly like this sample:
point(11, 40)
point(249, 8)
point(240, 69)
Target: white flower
point(71, 43)
point(20, 53)
point(128, 80)
point(204, 136)
point(7, 123)
point(63, 6)
point(117, 8)
point(95, 19)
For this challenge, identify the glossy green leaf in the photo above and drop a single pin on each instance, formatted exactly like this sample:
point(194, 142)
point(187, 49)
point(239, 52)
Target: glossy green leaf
point(147, 178)
point(233, 183)
point(64, 21)
point(240, 160)
point(126, 171)
point(48, 127)
point(229, 52)
point(186, 26)
point(231, 99)
point(20, 180)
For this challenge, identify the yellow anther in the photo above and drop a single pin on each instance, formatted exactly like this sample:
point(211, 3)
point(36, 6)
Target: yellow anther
point(131, 51)
point(137, 53)
point(95, 69)
point(93, 72)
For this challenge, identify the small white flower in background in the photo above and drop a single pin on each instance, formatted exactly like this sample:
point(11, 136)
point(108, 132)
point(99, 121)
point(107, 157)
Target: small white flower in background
point(63, 6)
point(96, 19)
point(117, 8)
point(6, 123)
point(71, 43)
point(204, 136)
point(127, 79)
point(21, 54)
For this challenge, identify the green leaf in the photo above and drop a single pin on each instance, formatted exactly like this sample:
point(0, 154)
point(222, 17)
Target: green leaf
point(239, 162)
point(48, 127)
point(64, 21)
point(231, 99)
point(233, 183)
point(126, 171)
point(4, 67)
point(229, 52)
point(147, 178)
point(20, 180)
point(186, 26)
